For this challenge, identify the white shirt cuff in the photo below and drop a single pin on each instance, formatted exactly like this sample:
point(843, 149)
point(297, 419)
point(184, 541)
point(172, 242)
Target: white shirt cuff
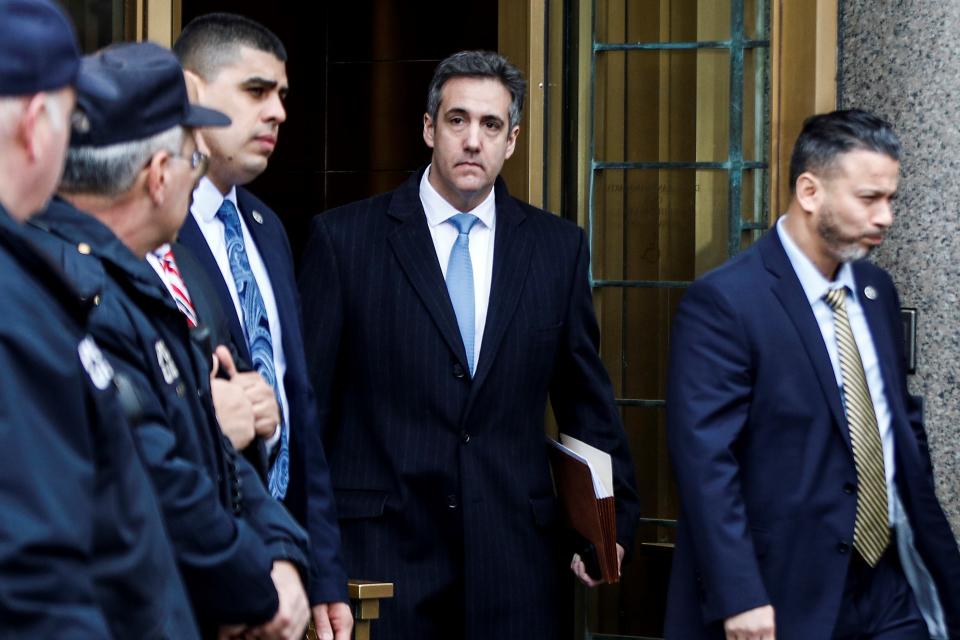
point(272, 441)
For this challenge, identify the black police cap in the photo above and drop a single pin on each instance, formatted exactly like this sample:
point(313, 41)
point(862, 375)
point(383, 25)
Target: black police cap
point(153, 97)
point(38, 52)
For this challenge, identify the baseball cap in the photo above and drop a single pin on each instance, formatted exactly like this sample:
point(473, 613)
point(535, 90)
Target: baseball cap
point(39, 52)
point(152, 98)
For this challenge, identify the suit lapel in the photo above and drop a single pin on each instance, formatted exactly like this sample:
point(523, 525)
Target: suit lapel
point(511, 260)
point(259, 232)
point(191, 236)
point(273, 260)
point(789, 292)
point(883, 342)
point(413, 247)
point(271, 241)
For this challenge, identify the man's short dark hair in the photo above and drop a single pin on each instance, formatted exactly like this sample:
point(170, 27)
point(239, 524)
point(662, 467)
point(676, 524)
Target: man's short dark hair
point(828, 135)
point(210, 41)
point(478, 64)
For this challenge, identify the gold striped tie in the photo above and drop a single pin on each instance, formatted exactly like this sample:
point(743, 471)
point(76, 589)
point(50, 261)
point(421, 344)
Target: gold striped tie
point(871, 532)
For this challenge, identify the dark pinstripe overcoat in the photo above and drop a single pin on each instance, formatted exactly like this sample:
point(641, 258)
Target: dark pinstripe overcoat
point(441, 481)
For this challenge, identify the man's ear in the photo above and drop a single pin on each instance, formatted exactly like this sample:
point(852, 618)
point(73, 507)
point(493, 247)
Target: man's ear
point(808, 191)
point(156, 177)
point(195, 86)
point(428, 130)
point(512, 142)
point(28, 128)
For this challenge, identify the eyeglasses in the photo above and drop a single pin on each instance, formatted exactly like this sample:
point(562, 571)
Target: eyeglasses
point(199, 162)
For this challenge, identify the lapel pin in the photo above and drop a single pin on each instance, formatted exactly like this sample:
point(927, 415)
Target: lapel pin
point(870, 292)
point(257, 216)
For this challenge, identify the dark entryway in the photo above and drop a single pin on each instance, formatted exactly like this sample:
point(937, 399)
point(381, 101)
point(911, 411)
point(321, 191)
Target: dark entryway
point(358, 75)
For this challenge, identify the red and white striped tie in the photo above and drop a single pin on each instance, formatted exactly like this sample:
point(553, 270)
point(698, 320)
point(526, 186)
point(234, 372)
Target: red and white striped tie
point(175, 284)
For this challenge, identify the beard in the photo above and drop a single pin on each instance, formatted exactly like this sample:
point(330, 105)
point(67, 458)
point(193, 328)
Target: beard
point(842, 247)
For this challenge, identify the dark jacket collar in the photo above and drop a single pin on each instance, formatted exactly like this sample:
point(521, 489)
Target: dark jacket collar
point(16, 243)
point(78, 228)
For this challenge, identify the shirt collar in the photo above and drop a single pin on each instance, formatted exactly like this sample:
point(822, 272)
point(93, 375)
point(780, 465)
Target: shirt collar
point(813, 283)
point(160, 252)
point(207, 200)
point(438, 210)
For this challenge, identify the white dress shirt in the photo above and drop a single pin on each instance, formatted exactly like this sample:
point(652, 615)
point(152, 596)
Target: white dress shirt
point(206, 202)
point(445, 234)
point(815, 286)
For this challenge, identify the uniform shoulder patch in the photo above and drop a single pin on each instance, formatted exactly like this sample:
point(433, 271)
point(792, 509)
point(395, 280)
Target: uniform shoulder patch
point(95, 363)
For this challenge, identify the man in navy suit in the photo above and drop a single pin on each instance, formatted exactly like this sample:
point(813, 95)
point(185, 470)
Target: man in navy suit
point(439, 319)
point(806, 489)
point(239, 67)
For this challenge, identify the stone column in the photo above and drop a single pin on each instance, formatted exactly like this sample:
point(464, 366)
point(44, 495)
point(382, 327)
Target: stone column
point(901, 60)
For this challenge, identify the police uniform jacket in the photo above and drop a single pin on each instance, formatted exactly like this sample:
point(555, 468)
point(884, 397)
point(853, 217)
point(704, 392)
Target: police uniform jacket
point(83, 549)
point(226, 529)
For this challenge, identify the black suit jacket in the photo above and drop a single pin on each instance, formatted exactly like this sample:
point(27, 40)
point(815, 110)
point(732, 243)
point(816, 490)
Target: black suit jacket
point(309, 497)
point(761, 449)
point(442, 481)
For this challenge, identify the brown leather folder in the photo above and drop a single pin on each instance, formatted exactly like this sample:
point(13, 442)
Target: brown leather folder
point(592, 517)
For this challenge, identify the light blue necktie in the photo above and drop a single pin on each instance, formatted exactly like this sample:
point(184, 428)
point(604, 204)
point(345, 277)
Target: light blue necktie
point(460, 282)
point(256, 326)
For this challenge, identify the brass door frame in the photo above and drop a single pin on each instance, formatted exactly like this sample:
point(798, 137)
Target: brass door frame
point(803, 75)
point(521, 35)
point(158, 21)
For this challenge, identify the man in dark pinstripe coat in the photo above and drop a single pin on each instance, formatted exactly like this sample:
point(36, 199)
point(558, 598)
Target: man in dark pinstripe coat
point(439, 318)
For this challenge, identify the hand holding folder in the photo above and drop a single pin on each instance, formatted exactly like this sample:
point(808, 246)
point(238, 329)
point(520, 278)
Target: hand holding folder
point(584, 480)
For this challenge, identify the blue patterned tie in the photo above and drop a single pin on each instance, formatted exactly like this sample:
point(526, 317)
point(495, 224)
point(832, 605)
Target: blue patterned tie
point(256, 326)
point(460, 282)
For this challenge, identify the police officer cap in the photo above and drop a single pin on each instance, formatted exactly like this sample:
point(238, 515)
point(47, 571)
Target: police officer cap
point(38, 52)
point(153, 97)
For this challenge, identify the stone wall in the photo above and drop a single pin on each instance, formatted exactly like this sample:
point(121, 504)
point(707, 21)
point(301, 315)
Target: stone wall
point(901, 60)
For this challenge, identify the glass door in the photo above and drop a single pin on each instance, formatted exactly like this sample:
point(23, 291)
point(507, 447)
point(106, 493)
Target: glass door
point(677, 183)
